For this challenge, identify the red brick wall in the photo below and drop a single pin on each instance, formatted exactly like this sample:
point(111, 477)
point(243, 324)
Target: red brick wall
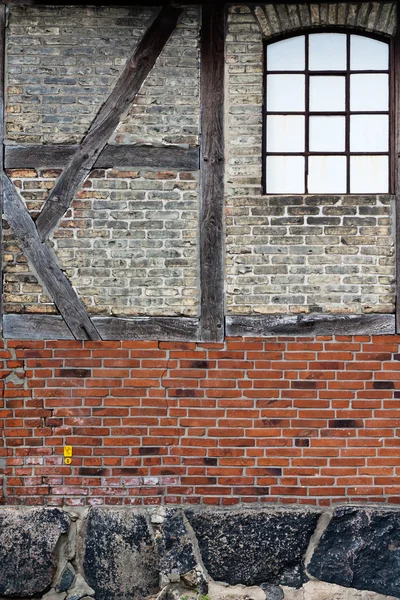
point(287, 420)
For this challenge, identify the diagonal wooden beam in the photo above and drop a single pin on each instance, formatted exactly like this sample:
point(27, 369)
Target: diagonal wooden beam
point(118, 102)
point(44, 263)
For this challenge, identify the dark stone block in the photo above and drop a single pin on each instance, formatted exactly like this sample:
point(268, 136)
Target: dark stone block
point(176, 550)
point(67, 579)
point(175, 547)
point(360, 549)
point(254, 547)
point(27, 549)
point(120, 560)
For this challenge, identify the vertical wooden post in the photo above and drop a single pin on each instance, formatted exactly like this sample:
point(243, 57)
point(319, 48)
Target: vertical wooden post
point(212, 172)
point(395, 150)
point(2, 100)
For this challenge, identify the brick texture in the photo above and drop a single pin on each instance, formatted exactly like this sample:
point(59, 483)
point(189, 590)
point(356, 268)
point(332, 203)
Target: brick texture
point(128, 244)
point(295, 254)
point(306, 254)
point(64, 61)
point(287, 420)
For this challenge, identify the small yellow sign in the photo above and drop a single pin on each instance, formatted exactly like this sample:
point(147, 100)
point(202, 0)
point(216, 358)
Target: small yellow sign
point(68, 451)
point(68, 461)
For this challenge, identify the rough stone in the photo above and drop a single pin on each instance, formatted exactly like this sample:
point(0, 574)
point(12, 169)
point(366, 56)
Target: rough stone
point(120, 560)
point(360, 549)
point(67, 579)
point(28, 540)
point(250, 548)
point(272, 592)
point(177, 553)
point(80, 589)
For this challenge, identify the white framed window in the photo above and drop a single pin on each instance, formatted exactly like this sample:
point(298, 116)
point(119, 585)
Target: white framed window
point(327, 115)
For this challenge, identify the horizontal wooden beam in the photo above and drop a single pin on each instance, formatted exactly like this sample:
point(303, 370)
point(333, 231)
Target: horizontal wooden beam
point(141, 2)
point(58, 156)
point(39, 327)
point(35, 327)
point(314, 324)
point(148, 328)
point(128, 85)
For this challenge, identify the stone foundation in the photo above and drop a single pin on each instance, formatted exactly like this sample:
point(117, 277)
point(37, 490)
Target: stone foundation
point(185, 554)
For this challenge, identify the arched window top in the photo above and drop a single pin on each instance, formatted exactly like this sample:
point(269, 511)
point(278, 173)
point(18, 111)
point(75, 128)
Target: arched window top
point(377, 18)
point(328, 51)
point(327, 114)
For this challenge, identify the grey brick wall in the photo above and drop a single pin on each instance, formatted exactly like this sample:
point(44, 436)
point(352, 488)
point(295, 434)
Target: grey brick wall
point(64, 61)
point(128, 244)
point(310, 254)
point(297, 254)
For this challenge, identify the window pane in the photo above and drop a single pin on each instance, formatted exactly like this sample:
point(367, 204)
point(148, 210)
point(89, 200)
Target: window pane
point(327, 134)
point(287, 55)
point(327, 174)
point(369, 133)
point(327, 94)
point(368, 55)
point(285, 175)
point(369, 92)
point(328, 52)
point(285, 133)
point(369, 174)
point(285, 93)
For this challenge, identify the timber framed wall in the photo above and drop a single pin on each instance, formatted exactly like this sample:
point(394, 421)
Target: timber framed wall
point(185, 401)
point(255, 292)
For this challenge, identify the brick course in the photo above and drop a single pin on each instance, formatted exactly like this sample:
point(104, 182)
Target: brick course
point(297, 254)
point(288, 420)
point(64, 61)
point(128, 243)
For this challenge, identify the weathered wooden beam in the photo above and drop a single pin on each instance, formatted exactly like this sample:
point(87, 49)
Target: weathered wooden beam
point(395, 150)
point(212, 165)
point(315, 324)
point(44, 263)
point(35, 327)
point(118, 102)
point(58, 156)
point(147, 328)
point(2, 96)
point(42, 327)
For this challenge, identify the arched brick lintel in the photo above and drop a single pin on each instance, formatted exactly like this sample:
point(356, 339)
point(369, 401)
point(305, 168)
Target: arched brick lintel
point(372, 17)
